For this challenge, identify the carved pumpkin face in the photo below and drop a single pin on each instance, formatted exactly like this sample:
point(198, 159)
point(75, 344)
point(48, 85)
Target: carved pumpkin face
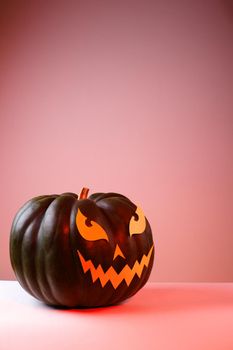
point(90, 252)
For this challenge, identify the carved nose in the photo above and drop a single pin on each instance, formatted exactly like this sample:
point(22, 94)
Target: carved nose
point(118, 252)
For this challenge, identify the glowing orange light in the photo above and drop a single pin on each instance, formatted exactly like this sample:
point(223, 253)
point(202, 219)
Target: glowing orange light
point(90, 233)
point(118, 252)
point(111, 275)
point(137, 226)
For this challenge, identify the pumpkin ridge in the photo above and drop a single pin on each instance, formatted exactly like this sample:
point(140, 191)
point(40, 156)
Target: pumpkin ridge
point(21, 211)
point(45, 297)
point(72, 239)
point(28, 281)
point(36, 210)
point(108, 195)
point(45, 284)
point(17, 261)
point(72, 210)
point(58, 199)
point(42, 274)
point(121, 200)
point(60, 240)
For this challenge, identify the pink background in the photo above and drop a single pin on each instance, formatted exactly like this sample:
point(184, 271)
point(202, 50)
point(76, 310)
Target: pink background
point(127, 96)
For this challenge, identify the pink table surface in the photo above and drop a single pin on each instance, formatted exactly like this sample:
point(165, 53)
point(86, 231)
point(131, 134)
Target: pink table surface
point(161, 316)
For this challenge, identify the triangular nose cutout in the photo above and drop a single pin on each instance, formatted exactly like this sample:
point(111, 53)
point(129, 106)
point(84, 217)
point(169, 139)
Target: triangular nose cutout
point(118, 252)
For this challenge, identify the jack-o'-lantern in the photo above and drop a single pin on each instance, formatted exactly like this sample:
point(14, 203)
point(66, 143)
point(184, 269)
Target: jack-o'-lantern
point(81, 252)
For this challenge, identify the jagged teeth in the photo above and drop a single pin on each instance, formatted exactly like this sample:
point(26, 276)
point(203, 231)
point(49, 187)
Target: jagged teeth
point(111, 275)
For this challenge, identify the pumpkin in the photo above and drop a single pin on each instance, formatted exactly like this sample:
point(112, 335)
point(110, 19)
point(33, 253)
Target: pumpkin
point(79, 251)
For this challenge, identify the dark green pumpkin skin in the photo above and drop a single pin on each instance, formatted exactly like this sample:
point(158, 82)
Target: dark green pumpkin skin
point(44, 241)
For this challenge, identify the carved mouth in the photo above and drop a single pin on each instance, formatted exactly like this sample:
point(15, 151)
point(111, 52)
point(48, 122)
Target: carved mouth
point(126, 274)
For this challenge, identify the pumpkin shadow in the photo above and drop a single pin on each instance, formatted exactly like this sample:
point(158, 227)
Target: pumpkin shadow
point(181, 297)
point(166, 298)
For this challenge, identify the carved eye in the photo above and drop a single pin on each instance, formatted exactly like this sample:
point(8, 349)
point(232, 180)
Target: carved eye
point(92, 232)
point(137, 223)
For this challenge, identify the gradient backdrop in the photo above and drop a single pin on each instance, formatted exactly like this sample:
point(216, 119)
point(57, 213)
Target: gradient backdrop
point(134, 97)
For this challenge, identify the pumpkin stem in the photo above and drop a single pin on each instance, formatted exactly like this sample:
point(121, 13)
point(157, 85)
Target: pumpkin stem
point(84, 193)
